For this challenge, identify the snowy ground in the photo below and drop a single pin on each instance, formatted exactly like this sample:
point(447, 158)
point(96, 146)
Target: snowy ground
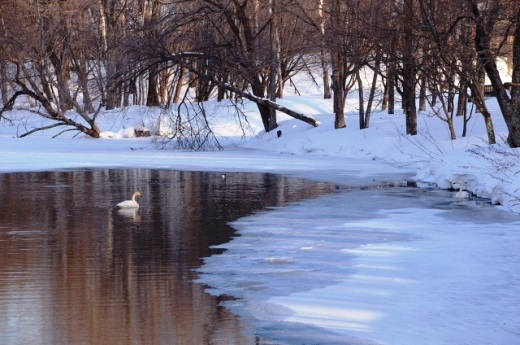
point(401, 274)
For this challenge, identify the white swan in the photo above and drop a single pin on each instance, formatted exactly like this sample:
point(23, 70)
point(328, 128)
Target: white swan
point(461, 194)
point(130, 203)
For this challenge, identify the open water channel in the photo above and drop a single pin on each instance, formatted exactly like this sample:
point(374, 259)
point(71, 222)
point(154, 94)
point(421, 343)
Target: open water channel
point(76, 270)
point(334, 265)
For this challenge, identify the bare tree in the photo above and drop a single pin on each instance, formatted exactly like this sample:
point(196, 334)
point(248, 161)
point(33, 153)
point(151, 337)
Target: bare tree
point(450, 61)
point(152, 13)
point(487, 17)
point(323, 53)
point(41, 60)
point(113, 16)
point(343, 67)
point(368, 51)
point(409, 67)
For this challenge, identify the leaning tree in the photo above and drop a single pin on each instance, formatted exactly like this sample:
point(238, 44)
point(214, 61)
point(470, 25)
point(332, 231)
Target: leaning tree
point(496, 22)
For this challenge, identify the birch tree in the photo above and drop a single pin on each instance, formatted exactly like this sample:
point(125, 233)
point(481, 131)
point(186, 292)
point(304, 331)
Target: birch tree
point(324, 55)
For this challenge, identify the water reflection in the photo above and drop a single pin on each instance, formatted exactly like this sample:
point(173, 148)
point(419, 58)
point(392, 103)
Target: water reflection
point(75, 270)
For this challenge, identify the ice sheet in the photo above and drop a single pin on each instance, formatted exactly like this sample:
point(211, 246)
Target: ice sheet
point(384, 267)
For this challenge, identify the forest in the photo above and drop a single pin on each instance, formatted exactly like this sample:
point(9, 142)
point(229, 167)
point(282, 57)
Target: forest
point(59, 57)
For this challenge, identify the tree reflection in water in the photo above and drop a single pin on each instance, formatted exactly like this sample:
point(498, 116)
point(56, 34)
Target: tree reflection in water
point(75, 270)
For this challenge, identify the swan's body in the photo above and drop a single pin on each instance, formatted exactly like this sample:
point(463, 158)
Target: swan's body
point(461, 194)
point(130, 203)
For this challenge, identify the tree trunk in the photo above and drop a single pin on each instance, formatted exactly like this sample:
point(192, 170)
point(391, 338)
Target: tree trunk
point(61, 67)
point(267, 114)
point(339, 106)
point(463, 100)
point(152, 13)
point(409, 71)
point(409, 106)
point(327, 94)
point(480, 104)
point(390, 80)
point(338, 86)
point(451, 91)
point(361, 99)
point(178, 87)
point(513, 112)
point(422, 93)
point(3, 83)
point(451, 127)
point(490, 128)
point(82, 73)
point(110, 23)
point(510, 106)
point(152, 96)
point(221, 92)
point(339, 65)
point(164, 82)
point(275, 75)
point(465, 123)
point(384, 103)
point(377, 67)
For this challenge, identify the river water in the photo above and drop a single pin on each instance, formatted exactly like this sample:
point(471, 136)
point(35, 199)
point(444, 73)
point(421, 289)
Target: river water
point(75, 270)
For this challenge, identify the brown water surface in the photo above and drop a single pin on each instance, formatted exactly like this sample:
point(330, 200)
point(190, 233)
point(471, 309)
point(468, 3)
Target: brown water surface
point(75, 270)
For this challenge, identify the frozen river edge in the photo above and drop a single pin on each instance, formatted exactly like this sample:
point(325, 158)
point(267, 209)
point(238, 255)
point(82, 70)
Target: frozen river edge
point(446, 280)
point(376, 266)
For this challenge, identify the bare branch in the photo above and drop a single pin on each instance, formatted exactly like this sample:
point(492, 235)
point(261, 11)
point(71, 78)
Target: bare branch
point(54, 125)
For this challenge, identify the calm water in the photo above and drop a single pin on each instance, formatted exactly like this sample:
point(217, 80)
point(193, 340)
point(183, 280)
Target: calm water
point(75, 270)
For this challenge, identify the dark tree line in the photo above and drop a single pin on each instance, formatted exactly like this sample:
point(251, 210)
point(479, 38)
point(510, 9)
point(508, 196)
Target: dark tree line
point(83, 55)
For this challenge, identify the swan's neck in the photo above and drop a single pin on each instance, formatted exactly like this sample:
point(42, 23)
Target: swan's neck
point(134, 196)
